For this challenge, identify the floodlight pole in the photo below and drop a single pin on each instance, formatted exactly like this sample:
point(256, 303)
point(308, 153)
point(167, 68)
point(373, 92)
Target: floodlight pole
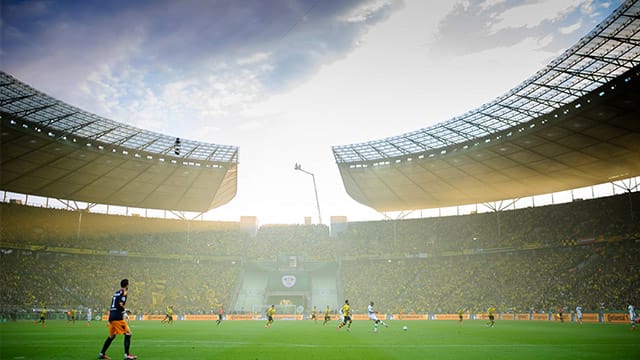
point(315, 189)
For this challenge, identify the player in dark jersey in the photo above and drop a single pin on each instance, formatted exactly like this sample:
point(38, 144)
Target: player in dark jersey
point(560, 311)
point(118, 316)
point(220, 316)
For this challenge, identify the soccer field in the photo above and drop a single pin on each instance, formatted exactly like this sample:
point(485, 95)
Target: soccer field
point(307, 340)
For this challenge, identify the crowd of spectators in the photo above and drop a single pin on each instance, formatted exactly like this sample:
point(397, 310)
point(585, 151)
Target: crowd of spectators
point(535, 258)
point(555, 225)
point(537, 280)
point(34, 279)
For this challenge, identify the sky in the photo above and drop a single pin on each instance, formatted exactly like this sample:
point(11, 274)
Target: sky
point(285, 80)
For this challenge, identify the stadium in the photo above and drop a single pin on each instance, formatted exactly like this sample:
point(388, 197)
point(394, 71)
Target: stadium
point(574, 124)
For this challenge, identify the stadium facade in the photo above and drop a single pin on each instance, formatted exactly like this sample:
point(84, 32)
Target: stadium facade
point(572, 124)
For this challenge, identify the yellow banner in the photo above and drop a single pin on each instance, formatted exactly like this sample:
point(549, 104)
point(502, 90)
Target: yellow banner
point(450, 316)
point(541, 317)
point(287, 316)
point(201, 317)
point(410, 317)
point(616, 318)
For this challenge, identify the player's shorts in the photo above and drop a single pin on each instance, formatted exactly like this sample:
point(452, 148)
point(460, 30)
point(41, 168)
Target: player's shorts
point(269, 318)
point(346, 318)
point(491, 317)
point(373, 317)
point(118, 327)
point(327, 318)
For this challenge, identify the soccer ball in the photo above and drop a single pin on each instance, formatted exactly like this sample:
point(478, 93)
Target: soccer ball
point(404, 328)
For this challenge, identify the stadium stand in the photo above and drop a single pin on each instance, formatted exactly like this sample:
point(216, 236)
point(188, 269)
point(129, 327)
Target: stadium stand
point(584, 252)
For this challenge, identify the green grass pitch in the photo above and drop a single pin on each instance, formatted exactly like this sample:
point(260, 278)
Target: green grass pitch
point(307, 340)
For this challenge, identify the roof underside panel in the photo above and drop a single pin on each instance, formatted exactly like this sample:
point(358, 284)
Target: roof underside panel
point(55, 150)
point(41, 165)
point(575, 146)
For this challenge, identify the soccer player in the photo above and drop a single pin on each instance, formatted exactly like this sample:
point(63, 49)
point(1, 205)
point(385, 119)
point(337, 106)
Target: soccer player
point(168, 317)
point(71, 317)
point(43, 315)
point(270, 313)
point(372, 316)
point(89, 315)
point(491, 311)
point(220, 316)
point(327, 315)
point(632, 316)
point(313, 314)
point(346, 313)
point(579, 315)
point(460, 313)
point(117, 322)
point(560, 311)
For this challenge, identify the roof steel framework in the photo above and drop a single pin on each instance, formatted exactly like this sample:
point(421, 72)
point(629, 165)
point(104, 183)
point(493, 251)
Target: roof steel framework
point(608, 51)
point(64, 121)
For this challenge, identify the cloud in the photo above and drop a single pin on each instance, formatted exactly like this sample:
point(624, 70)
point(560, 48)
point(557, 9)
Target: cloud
point(366, 11)
point(256, 58)
point(531, 15)
point(209, 60)
point(475, 26)
point(570, 28)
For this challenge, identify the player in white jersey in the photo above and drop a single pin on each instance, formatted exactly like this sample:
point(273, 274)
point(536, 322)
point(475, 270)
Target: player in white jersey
point(374, 318)
point(89, 315)
point(632, 316)
point(579, 315)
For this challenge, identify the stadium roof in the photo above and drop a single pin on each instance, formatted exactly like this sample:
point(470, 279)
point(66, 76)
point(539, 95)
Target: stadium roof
point(52, 149)
point(572, 124)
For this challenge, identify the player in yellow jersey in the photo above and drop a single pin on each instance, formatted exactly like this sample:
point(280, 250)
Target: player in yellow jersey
point(270, 313)
point(313, 314)
point(168, 317)
point(491, 311)
point(327, 315)
point(460, 315)
point(72, 317)
point(346, 313)
point(43, 315)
